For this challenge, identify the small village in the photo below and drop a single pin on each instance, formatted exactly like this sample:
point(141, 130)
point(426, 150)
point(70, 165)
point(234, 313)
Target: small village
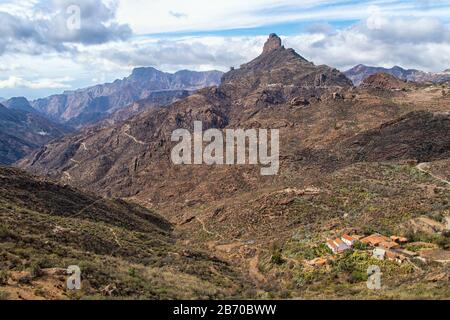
point(383, 248)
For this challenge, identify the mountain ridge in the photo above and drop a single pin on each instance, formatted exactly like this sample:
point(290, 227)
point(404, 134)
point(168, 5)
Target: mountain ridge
point(93, 104)
point(360, 72)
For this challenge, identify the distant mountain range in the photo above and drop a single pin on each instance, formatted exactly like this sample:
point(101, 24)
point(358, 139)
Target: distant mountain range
point(22, 131)
point(19, 103)
point(93, 104)
point(131, 157)
point(25, 125)
point(360, 72)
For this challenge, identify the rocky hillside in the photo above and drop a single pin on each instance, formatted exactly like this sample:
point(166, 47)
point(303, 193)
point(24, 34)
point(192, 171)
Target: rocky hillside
point(279, 75)
point(21, 132)
point(360, 72)
point(124, 157)
point(122, 249)
point(90, 105)
point(384, 81)
point(417, 135)
point(155, 100)
point(316, 108)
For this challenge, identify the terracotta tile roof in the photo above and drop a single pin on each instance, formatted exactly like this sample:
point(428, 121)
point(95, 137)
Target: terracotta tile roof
point(375, 239)
point(399, 239)
point(388, 244)
point(347, 237)
point(331, 243)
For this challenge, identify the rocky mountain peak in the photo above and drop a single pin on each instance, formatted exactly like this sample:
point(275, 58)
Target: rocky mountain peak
point(273, 43)
point(19, 103)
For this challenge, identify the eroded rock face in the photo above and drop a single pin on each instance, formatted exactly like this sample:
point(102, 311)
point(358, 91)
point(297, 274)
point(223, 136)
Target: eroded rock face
point(92, 105)
point(273, 43)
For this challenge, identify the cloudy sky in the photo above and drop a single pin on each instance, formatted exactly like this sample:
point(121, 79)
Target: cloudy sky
point(48, 46)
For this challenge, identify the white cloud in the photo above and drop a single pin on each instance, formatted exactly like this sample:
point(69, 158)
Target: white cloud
point(36, 27)
point(38, 57)
point(153, 17)
point(18, 82)
point(422, 43)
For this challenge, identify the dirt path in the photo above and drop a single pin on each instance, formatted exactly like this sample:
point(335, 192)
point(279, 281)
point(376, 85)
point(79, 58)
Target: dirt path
point(254, 271)
point(206, 230)
point(116, 239)
point(127, 127)
point(423, 167)
point(86, 208)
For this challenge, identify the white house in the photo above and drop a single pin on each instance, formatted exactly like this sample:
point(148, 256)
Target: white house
point(337, 245)
point(348, 240)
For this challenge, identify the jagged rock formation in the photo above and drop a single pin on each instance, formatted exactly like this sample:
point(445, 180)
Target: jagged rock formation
point(91, 105)
point(273, 43)
point(278, 75)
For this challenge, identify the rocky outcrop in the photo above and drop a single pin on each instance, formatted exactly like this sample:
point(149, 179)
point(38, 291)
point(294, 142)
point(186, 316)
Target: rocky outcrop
point(283, 73)
point(384, 81)
point(273, 43)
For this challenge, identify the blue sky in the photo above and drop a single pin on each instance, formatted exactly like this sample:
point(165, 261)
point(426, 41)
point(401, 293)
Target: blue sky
point(41, 55)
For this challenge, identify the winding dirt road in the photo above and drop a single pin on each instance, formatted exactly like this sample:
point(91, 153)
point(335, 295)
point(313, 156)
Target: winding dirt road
point(424, 167)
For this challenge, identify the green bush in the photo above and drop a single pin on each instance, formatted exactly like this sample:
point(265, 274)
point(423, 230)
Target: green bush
point(277, 255)
point(358, 276)
point(358, 245)
point(4, 276)
point(5, 233)
point(4, 295)
point(36, 271)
